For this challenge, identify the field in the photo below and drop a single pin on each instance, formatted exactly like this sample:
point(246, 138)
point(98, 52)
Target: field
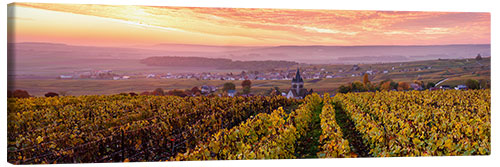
point(456, 70)
point(123, 128)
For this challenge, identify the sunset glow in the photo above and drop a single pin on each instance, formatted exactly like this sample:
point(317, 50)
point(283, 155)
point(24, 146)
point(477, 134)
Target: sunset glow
point(106, 25)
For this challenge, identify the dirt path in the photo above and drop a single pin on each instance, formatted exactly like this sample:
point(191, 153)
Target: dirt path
point(308, 145)
point(350, 133)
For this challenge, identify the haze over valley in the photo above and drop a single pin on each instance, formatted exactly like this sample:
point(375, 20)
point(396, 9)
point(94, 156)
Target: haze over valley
point(51, 59)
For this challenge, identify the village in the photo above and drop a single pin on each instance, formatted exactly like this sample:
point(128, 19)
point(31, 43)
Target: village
point(310, 72)
point(437, 74)
point(297, 90)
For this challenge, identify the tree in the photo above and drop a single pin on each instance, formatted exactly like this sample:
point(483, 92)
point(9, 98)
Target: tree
point(344, 89)
point(158, 92)
point(394, 85)
point(9, 94)
point(132, 94)
point(274, 91)
point(478, 57)
point(146, 93)
point(20, 94)
point(188, 92)
point(386, 86)
point(403, 86)
point(246, 90)
point(228, 86)
point(51, 94)
point(278, 92)
point(420, 83)
point(246, 84)
point(271, 92)
point(177, 92)
point(357, 87)
point(483, 84)
point(430, 85)
point(366, 81)
point(472, 84)
point(370, 87)
point(195, 89)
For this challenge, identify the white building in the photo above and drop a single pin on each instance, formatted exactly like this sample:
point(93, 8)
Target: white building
point(231, 93)
point(66, 76)
point(151, 76)
point(297, 90)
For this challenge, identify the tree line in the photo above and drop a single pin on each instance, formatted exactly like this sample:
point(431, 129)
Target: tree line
point(219, 63)
point(195, 91)
point(387, 85)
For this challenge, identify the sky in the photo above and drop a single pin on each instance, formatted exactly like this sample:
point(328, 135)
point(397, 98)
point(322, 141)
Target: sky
point(109, 25)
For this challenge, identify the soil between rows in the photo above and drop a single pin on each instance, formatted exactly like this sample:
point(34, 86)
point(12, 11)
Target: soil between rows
point(350, 133)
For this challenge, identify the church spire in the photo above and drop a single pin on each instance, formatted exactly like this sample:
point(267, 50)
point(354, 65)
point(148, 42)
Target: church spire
point(297, 77)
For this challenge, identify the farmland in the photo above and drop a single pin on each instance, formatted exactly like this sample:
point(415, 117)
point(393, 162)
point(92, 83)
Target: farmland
point(122, 128)
point(456, 70)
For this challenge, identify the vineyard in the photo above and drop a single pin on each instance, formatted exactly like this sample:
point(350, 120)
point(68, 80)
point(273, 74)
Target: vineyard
point(122, 128)
point(440, 122)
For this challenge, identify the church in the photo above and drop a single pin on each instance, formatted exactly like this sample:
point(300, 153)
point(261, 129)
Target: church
point(298, 91)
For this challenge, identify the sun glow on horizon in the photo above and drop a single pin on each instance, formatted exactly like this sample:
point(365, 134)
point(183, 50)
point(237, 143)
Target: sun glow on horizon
point(107, 25)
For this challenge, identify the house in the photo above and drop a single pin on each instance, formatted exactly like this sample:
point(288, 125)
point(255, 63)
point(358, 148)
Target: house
point(66, 76)
point(461, 87)
point(206, 89)
point(416, 86)
point(355, 67)
point(231, 93)
point(213, 88)
point(444, 87)
point(297, 90)
point(151, 76)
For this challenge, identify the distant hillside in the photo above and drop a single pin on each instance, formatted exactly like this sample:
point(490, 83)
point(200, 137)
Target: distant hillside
point(218, 63)
point(315, 54)
point(318, 54)
point(53, 59)
point(195, 48)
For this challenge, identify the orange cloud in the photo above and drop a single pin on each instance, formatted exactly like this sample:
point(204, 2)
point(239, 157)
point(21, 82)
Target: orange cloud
point(233, 26)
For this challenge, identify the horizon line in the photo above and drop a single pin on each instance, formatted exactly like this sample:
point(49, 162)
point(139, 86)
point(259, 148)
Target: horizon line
point(155, 45)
